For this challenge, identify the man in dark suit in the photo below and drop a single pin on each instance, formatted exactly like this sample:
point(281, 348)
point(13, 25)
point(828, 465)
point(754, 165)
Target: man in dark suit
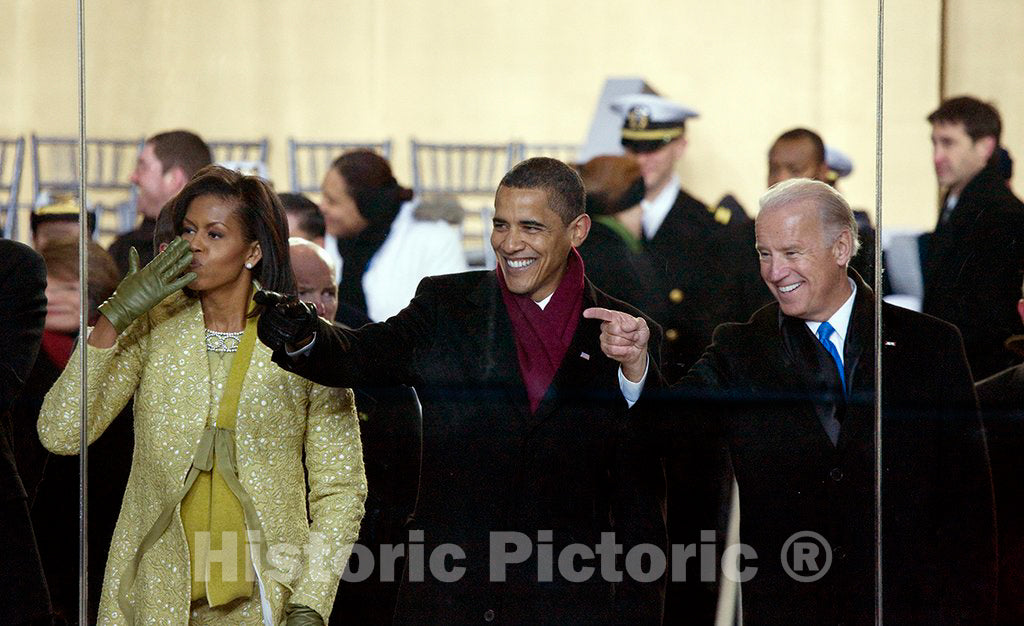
point(974, 259)
point(22, 313)
point(691, 243)
point(792, 393)
point(1001, 397)
point(525, 433)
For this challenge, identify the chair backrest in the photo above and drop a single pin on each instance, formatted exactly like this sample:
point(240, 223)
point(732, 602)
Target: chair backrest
point(564, 152)
point(228, 151)
point(109, 166)
point(12, 153)
point(903, 261)
point(471, 172)
point(309, 160)
point(109, 163)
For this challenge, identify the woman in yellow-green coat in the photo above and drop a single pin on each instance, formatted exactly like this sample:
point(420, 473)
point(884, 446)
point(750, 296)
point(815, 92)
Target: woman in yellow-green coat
point(213, 526)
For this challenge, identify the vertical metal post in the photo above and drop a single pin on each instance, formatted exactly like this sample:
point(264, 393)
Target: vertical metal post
point(83, 290)
point(879, 83)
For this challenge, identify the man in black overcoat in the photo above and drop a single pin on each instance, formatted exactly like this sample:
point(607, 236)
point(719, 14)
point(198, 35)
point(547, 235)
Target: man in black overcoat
point(974, 259)
point(22, 313)
point(525, 437)
point(794, 402)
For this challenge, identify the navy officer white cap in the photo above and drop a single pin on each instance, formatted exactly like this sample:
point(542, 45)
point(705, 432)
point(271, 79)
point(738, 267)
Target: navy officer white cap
point(659, 110)
point(838, 162)
point(650, 121)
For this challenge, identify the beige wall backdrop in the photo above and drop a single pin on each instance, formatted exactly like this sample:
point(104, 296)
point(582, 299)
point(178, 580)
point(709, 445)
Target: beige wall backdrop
point(984, 57)
point(496, 70)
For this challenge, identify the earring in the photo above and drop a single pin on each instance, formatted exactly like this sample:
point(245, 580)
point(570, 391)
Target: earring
point(248, 266)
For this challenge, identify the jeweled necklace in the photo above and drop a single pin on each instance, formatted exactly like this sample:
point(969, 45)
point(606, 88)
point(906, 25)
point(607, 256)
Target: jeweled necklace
point(217, 341)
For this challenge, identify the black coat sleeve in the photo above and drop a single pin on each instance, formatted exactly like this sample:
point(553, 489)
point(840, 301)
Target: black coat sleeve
point(375, 355)
point(969, 529)
point(22, 314)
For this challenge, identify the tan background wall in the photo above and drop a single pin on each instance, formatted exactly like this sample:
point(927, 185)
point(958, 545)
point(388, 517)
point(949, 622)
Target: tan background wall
point(495, 70)
point(985, 57)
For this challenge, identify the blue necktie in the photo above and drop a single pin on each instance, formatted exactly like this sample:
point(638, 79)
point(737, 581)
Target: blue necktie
point(824, 333)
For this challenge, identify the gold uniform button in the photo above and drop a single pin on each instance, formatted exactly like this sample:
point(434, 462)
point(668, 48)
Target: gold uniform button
point(676, 296)
point(671, 334)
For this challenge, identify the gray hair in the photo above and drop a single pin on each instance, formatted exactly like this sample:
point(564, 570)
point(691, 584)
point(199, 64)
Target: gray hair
point(320, 252)
point(834, 210)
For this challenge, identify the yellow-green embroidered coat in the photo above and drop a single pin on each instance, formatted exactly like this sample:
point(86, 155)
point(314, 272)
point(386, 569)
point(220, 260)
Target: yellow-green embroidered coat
point(161, 359)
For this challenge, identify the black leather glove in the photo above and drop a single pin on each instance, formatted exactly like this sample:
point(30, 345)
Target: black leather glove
point(285, 321)
point(301, 615)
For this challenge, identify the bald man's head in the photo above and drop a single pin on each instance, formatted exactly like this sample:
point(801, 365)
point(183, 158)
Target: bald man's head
point(314, 275)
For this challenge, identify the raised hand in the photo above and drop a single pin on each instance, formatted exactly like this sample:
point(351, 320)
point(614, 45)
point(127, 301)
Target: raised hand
point(285, 322)
point(142, 289)
point(624, 339)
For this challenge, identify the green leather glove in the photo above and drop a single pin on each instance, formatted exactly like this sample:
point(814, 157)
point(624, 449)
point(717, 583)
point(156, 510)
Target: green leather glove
point(301, 615)
point(141, 290)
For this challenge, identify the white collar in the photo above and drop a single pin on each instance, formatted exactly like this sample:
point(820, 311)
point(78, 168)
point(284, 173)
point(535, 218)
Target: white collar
point(655, 211)
point(840, 320)
point(543, 303)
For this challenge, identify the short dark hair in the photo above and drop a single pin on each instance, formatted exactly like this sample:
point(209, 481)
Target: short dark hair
point(262, 217)
point(980, 119)
point(564, 187)
point(311, 219)
point(181, 148)
point(804, 134)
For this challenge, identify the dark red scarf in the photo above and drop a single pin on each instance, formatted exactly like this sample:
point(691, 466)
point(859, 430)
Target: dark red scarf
point(543, 335)
point(58, 346)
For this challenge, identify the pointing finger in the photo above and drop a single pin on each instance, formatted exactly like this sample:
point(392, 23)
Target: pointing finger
point(597, 313)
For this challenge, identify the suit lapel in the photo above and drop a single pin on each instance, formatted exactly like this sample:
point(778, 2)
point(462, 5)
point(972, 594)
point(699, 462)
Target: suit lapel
point(579, 366)
point(491, 336)
point(859, 363)
point(814, 371)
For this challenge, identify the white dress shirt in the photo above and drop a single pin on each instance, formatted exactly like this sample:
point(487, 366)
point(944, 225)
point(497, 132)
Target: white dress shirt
point(655, 211)
point(840, 321)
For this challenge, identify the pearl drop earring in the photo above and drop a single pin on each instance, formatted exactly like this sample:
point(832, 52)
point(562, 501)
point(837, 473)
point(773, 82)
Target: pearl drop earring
point(248, 266)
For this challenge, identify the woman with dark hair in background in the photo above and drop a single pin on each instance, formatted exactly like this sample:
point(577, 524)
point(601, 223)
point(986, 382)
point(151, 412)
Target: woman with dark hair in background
point(218, 479)
point(385, 249)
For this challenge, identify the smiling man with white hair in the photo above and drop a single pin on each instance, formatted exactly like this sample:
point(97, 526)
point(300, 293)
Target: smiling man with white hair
point(791, 394)
point(798, 389)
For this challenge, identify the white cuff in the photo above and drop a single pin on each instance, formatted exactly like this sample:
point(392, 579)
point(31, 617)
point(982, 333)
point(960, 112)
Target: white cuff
point(631, 391)
point(309, 346)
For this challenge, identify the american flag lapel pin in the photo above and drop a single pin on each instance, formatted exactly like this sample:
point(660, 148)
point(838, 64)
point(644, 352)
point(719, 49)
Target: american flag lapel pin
point(584, 356)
